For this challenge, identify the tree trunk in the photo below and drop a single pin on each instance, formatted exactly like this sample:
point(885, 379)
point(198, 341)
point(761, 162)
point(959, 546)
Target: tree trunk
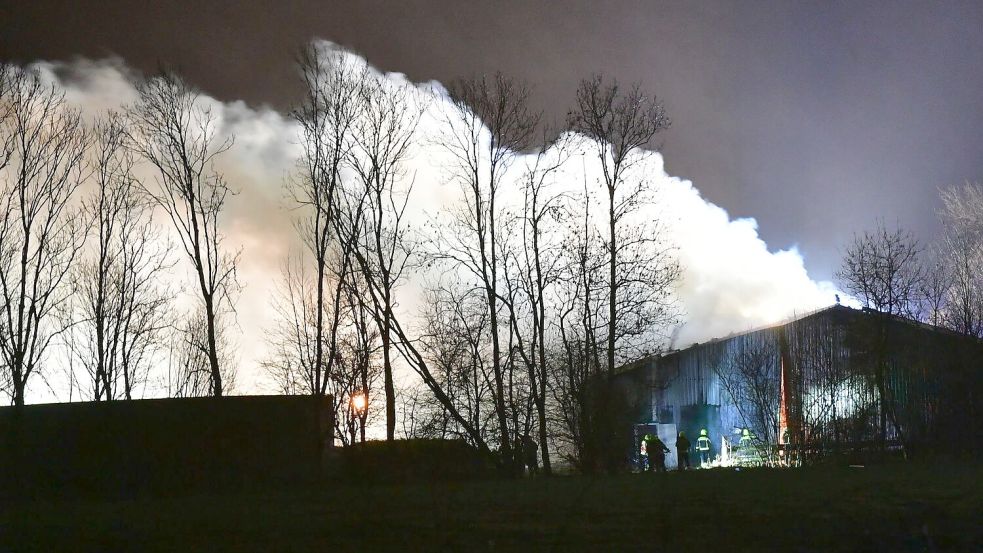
point(319, 324)
point(613, 290)
point(19, 392)
point(213, 349)
point(388, 371)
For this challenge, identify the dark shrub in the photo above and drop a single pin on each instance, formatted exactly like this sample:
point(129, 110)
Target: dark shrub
point(404, 461)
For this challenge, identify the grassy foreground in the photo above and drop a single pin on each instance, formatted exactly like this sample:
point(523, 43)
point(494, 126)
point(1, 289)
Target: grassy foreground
point(888, 508)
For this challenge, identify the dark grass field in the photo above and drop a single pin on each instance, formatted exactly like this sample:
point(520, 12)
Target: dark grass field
point(887, 508)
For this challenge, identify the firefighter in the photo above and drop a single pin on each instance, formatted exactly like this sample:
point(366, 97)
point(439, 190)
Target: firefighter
point(643, 454)
point(682, 451)
point(744, 446)
point(745, 443)
point(656, 453)
point(703, 446)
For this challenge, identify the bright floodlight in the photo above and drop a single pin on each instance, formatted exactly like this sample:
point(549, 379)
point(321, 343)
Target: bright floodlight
point(359, 401)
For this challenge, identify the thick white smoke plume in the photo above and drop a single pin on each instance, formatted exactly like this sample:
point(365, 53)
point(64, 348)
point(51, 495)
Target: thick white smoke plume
point(731, 280)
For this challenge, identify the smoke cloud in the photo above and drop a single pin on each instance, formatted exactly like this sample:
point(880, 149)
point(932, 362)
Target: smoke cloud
point(731, 280)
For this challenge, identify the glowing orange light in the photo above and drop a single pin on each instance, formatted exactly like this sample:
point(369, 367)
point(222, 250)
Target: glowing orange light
point(359, 402)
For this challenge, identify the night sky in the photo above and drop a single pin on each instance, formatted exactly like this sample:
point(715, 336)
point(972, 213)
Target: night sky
point(815, 120)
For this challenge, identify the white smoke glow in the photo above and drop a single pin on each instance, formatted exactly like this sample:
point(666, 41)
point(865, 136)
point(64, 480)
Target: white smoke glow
point(731, 280)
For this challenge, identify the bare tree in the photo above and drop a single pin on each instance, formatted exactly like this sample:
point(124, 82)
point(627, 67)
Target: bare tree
point(122, 309)
point(292, 359)
point(489, 125)
point(355, 371)
point(177, 133)
point(621, 124)
point(356, 376)
point(415, 354)
point(617, 286)
point(882, 269)
point(537, 269)
point(962, 255)
point(828, 401)
point(42, 162)
point(421, 417)
point(749, 373)
point(579, 382)
point(935, 289)
point(572, 380)
point(375, 220)
point(455, 341)
point(333, 87)
point(189, 372)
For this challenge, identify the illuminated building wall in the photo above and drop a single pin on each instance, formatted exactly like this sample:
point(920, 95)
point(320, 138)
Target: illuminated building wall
point(832, 380)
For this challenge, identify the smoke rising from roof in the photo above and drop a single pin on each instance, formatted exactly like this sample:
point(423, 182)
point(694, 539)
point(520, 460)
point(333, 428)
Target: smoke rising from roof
point(731, 281)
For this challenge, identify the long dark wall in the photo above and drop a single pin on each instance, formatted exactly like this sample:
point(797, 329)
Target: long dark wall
point(164, 446)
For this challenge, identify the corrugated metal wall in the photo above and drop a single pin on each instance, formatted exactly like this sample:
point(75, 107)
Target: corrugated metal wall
point(834, 361)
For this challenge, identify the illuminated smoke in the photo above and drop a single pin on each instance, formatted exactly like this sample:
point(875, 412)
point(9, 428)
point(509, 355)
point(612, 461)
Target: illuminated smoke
point(731, 280)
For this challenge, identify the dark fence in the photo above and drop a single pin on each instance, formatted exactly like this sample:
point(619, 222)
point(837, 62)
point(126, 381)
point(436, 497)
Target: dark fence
point(163, 446)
